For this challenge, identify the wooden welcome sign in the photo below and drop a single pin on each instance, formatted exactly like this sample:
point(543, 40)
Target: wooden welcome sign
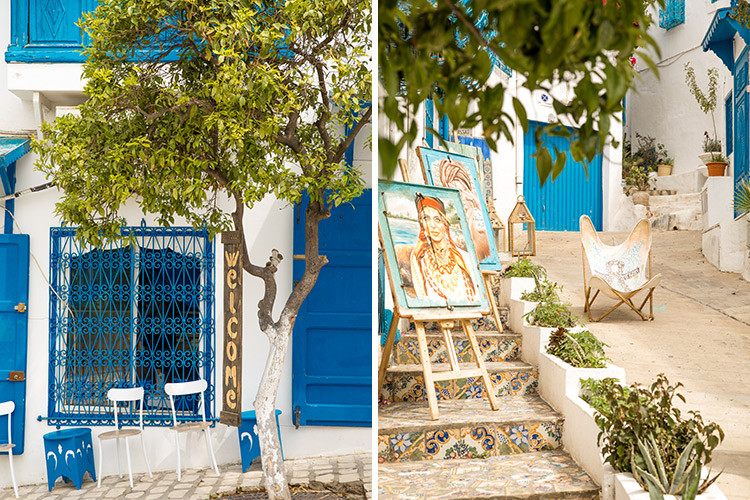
point(231, 413)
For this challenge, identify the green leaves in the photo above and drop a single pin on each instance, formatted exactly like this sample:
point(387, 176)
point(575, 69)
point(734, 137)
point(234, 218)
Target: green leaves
point(585, 45)
point(193, 102)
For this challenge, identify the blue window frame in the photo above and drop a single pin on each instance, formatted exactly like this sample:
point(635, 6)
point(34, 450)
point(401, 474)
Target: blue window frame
point(443, 126)
point(126, 316)
point(729, 135)
point(672, 14)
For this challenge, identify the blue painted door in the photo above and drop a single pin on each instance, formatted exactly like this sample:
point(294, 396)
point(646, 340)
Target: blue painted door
point(331, 343)
point(558, 205)
point(14, 275)
point(740, 120)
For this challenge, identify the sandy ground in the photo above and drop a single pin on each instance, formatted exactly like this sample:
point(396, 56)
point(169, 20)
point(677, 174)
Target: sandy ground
point(700, 337)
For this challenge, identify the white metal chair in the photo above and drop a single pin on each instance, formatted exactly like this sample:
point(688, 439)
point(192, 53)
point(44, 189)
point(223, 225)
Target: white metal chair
point(124, 395)
point(619, 272)
point(6, 408)
point(183, 389)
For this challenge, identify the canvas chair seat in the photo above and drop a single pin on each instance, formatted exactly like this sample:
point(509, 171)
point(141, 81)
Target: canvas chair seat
point(619, 272)
point(120, 433)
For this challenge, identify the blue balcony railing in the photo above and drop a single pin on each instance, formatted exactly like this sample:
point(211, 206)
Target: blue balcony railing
point(45, 30)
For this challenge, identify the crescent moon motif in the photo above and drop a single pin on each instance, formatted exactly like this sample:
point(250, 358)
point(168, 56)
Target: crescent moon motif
point(248, 436)
point(69, 452)
point(52, 454)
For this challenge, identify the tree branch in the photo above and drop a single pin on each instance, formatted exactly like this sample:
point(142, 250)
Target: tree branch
point(289, 137)
point(322, 120)
point(339, 154)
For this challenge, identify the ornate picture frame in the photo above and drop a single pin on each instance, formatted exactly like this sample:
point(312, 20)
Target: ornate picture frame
point(429, 253)
point(457, 171)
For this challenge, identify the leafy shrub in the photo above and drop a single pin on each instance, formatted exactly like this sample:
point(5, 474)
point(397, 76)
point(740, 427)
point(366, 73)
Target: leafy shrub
point(552, 314)
point(579, 349)
point(593, 391)
point(628, 414)
point(524, 268)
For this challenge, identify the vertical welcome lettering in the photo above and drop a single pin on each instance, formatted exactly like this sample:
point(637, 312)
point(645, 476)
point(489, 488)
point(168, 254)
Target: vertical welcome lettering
point(231, 413)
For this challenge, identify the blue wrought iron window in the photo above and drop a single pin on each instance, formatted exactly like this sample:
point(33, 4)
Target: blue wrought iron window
point(127, 316)
point(672, 14)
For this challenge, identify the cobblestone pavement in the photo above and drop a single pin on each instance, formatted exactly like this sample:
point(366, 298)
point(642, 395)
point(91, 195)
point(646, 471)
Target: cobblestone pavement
point(201, 484)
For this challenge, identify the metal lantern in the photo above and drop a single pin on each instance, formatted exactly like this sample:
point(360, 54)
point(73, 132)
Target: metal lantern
point(521, 215)
point(497, 228)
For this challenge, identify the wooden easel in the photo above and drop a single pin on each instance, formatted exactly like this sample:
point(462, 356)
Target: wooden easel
point(446, 323)
point(487, 277)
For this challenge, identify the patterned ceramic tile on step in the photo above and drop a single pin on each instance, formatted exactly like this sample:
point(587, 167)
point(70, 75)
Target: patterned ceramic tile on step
point(512, 378)
point(528, 437)
point(494, 347)
point(405, 446)
point(469, 428)
point(537, 476)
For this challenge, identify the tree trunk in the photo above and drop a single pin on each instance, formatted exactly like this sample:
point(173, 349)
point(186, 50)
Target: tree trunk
point(274, 470)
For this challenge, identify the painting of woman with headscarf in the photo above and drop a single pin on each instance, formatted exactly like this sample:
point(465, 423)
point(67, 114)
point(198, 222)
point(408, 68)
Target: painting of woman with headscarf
point(438, 267)
point(430, 256)
point(459, 172)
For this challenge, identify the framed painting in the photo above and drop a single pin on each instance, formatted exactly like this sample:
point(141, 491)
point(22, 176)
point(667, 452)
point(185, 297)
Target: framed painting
point(429, 253)
point(454, 170)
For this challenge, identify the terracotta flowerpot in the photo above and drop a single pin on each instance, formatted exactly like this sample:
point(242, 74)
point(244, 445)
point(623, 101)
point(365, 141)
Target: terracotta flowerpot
point(663, 170)
point(716, 168)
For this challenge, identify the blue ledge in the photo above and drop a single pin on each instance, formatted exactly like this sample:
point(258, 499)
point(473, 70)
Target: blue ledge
point(718, 38)
point(11, 149)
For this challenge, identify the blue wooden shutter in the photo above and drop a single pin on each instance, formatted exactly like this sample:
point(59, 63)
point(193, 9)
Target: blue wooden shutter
point(331, 343)
point(429, 120)
point(14, 275)
point(558, 205)
point(728, 124)
point(741, 147)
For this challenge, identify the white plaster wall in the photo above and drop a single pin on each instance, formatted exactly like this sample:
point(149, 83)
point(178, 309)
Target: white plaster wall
point(663, 107)
point(268, 225)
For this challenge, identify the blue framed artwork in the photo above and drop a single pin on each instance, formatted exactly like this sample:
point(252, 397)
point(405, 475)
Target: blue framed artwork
point(457, 171)
point(430, 256)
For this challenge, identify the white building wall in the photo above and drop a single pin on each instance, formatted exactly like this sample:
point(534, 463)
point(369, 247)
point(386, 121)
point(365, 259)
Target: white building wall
point(662, 107)
point(268, 225)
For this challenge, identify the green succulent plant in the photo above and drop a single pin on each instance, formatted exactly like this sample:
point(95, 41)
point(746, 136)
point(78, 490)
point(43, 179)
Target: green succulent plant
point(685, 478)
point(742, 197)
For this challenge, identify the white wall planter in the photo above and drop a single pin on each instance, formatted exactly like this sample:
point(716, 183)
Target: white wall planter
point(559, 385)
point(627, 488)
point(518, 309)
point(512, 288)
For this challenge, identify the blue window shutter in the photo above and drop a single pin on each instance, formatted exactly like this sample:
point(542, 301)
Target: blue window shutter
point(14, 275)
point(158, 295)
point(429, 120)
point(445, 128)
point(672, 14)
point(728, 120)
point(331, 343)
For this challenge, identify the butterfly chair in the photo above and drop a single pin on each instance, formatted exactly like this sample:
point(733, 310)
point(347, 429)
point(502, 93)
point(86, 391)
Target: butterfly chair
point(124, 395)
point(6, 408)
point(185, 389)
point(619, 272)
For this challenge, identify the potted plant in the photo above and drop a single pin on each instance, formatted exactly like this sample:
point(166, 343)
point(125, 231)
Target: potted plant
point(665, 167)
point(711, 148)
point(707, 103)
point(518, 277)
point(716, 165)
point(645, 437)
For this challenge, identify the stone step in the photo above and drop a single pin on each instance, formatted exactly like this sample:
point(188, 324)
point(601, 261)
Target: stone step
point(509, 378)
point(534, 476)
point(467, 428)
point(494, 346)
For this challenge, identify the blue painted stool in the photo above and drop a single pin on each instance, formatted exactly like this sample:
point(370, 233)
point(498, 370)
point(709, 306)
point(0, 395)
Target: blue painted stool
point(248, 434)
point(69, 455)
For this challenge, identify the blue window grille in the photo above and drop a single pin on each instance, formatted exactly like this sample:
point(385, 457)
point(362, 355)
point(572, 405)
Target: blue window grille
point(728, 107)
point(137, 315)
point(672, 14)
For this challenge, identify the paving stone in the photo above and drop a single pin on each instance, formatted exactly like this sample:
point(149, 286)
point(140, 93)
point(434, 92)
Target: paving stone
point(176, 494)
point(326, 478)
point(159, 489)
point(114, 493)
point(135, 494)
